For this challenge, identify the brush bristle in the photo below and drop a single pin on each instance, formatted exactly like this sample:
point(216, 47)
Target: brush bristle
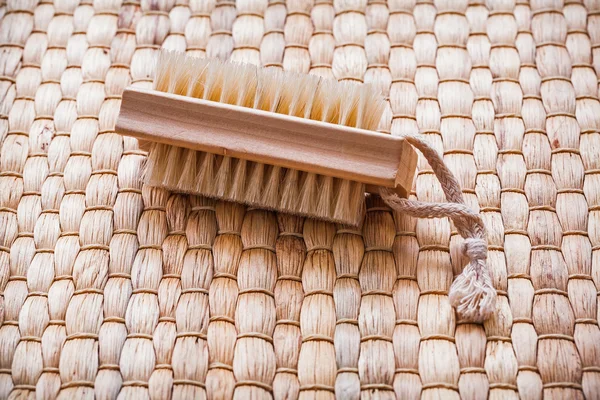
point(266, 186)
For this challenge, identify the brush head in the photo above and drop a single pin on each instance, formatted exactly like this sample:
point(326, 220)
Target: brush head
point(307, 178)
point(305, 96)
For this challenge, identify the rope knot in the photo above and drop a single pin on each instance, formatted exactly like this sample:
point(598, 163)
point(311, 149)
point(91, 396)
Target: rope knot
point(472, 293)
point(475, 249)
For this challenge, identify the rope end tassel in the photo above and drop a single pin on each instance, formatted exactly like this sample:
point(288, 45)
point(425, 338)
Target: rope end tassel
point(472, 293)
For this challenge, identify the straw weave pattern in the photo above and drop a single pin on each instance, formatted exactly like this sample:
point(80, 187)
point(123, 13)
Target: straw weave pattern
point(110, 289)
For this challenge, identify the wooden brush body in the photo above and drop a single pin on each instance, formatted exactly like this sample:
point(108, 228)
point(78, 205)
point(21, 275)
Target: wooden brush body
point(278, 141)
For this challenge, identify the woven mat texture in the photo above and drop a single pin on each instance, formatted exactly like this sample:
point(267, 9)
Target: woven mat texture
point(111, 289)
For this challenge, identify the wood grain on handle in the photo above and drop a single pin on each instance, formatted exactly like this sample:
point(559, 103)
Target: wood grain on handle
point(275, 139)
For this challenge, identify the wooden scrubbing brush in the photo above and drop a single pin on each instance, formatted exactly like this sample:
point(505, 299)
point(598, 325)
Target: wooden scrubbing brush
point(274, 140)
point(293, 143)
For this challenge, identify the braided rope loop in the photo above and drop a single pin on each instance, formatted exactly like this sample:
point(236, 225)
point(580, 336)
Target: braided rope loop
point(472, 292)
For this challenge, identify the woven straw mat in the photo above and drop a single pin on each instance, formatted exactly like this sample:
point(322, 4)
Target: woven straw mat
point(111, 289)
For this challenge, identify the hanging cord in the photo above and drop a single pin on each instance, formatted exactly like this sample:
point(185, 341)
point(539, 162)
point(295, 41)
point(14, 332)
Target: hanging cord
point(472, 292)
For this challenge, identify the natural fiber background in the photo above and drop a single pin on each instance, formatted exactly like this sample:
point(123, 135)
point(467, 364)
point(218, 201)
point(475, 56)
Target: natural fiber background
point(114, 289)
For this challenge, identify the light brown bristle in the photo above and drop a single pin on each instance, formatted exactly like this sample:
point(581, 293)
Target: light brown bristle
point(266, 186)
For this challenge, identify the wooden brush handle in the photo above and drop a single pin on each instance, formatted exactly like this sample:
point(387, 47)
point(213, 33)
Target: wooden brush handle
point(275, 139)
